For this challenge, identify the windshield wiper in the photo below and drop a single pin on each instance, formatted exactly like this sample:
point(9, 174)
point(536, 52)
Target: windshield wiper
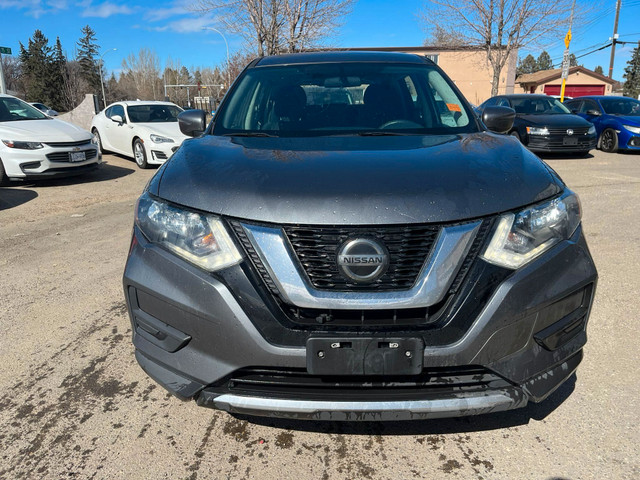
point(248, 134)
point(380, 133)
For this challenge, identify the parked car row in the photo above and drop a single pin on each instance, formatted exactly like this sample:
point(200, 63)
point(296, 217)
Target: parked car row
point(579, 125)
point(34, 145)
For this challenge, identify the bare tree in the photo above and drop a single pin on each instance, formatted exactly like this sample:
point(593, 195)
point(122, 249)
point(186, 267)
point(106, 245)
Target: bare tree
point(500, 27)
point(74, 86)
point(279, 26)
point(13, 74)
point(144, 71)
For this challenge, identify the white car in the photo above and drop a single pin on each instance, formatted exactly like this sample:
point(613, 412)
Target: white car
point(148, 132)
point(35, 146)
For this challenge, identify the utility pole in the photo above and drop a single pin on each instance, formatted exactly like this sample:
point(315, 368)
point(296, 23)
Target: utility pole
point(565, 58)
point(614, 39)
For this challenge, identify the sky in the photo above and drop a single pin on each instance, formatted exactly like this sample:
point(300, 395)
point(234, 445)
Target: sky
point(173, 31)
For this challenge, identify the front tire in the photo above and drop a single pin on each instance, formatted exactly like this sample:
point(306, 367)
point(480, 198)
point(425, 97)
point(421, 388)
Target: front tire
point(98, 139)
point(609, 141)
point(4, 180)
point(140, 154)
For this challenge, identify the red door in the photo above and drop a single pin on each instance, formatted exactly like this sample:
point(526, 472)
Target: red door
point(575, 90)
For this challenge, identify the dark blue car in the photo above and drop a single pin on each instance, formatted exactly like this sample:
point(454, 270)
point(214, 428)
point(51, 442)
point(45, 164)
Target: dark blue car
point(617, 120)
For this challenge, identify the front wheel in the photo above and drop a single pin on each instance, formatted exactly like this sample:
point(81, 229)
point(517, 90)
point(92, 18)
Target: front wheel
point(609, 141)
point(140, 154)
point(4, 180)
point(97, 140)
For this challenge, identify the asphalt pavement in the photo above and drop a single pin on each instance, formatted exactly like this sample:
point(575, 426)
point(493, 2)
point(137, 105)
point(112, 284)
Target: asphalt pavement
point(75, 404)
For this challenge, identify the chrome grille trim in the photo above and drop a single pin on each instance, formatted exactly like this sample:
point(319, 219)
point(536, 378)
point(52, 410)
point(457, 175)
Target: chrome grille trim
point(451, 247)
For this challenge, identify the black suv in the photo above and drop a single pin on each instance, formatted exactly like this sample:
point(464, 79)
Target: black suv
point(346, 240)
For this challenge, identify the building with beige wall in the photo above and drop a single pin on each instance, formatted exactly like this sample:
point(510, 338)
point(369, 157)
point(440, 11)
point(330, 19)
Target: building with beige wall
point(468, 67)
point(580, 82)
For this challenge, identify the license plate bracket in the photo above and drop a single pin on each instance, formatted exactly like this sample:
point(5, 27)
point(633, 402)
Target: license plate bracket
point(570, 141)
point(77, 157)
point(365, 356)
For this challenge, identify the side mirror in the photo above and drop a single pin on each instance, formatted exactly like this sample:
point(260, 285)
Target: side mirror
point(193, 122)
point(594, 113)
point(498, 119)
point(117, 118)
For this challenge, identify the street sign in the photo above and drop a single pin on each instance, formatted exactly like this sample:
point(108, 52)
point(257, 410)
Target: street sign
point(5, 50)
point(567, 39)
point(565, 65)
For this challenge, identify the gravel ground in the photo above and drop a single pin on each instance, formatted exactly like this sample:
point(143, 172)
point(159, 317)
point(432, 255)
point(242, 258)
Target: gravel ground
point(75, 404)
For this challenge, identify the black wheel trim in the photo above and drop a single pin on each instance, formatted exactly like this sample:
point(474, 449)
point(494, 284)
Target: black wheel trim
point(607, 140)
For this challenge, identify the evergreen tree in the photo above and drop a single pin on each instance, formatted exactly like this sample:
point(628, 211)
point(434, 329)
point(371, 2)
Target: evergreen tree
point(527, 65)
point(57, 80)
point(544, 61)
point(598, 69)
point(87, 58)
point(573, 61)
point(36, 66)
point(632, 75)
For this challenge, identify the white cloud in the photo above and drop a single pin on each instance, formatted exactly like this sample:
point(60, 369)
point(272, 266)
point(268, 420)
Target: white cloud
point(185, 25)
point(35, 8)
point(178, 8)
point(105, 10)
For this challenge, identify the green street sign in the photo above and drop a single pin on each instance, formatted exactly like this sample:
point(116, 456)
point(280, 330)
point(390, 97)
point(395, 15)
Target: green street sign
point(5, 50)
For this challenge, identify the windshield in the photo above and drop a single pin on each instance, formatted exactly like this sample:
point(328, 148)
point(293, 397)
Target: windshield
point(14, 109)
point(153, 113)
point(343, 99)
point(538, 106)
point(621, 106)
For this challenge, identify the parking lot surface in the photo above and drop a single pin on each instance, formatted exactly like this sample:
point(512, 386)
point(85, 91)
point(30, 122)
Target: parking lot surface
point(75, 404)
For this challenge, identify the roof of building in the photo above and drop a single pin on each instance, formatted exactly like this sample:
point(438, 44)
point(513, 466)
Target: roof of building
point(544, 76)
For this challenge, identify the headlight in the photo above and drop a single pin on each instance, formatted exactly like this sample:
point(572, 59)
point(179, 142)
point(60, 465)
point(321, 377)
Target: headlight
point(635, 130)
point(160, 139)
point(197, 237)
point(592, 130)
point(23, 145)
point(521, 237)
point(537, 131)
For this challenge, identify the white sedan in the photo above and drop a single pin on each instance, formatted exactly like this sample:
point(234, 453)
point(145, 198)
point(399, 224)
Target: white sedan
point(35, 146)
point(148, 132)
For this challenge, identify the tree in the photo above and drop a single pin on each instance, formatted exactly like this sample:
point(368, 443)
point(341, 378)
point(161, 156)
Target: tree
point(632, 75)
point(527, 65)
point(12, 68)
point(598, 70)
point(58, 71)
point(278, 26)
point(544, 61)
point(144, 71)
point(573, 61)
point(498, 27)
point(87, 55)
point(36, 68)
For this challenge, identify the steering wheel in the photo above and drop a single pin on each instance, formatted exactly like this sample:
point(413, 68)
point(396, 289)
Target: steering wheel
point(400, 124)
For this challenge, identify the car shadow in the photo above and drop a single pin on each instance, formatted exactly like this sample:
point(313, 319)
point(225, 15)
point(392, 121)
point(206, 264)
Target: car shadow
point(490, 421)
point(104, 173)
point(129, 159)
point(12, 197)
point(564, 156)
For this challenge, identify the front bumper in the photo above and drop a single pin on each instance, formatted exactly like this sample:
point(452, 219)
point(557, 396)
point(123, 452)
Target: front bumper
point(557, 144)
point(193, 333)
point(48, 162)
point(158, 153)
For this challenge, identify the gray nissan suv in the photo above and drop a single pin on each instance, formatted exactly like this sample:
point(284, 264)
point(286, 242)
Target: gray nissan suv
point(346, 240)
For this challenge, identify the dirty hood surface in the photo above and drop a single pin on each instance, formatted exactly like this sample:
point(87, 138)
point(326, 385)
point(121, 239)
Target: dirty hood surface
point(355, 180)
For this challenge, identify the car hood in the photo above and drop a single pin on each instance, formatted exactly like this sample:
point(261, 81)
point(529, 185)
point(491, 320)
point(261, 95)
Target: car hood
point(557, 120)
point(355, 180)
point(166, 129)
point(46, 130)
